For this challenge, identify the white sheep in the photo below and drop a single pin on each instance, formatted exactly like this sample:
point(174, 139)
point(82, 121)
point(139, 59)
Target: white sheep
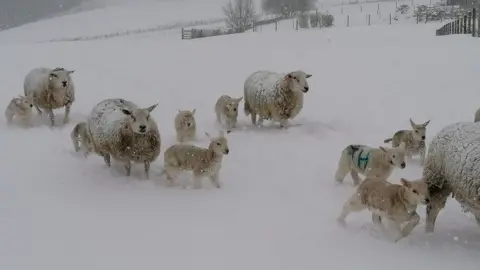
point(451, 167)
point(203, 162)
point(81, 138)
point(51, 89)
point(226, 109)
point(20, 107)
point(185, 125)
point(273, 96)
point(125, 132)
point(372, 162)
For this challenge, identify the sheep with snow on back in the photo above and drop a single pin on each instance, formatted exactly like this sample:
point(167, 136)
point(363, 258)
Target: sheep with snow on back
point(202, 162)
point(20, 107)
point(393, 203)
point(273, 96)
point(51, 89)
point(81, 138)
point(185, 125)
point(414, 140)
point(226, 110)
point(451, 168)
point(127, 133)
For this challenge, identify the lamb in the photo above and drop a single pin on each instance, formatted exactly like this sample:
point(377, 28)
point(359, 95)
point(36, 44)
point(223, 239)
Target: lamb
point(273, 96)
point(20, 107)
point(185, 125)
point(51, 89)
point(127, 133)
point(477, 116)
point(226, 109)
point(451, 167)
point(81, 137)
point(370, 162)
point(203, 162)
point(394, 203)
point(414, 140)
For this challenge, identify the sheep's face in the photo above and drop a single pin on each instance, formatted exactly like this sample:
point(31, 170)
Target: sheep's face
point(25, 102)
point(231, 107)
point(416, 191)
point(396, 155)
point(219, 144)
point(298, 81)
point(419, 131)
point(139, 119)
point(187, 118)
point(60, 78)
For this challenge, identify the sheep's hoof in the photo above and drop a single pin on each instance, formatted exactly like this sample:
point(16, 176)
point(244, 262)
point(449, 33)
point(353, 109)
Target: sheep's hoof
point(66, 120)
point(228, 131)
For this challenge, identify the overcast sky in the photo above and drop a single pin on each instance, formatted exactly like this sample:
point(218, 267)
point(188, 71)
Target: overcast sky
point(16, 12)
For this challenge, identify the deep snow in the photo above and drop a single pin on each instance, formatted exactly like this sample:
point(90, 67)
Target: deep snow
point(278, 204)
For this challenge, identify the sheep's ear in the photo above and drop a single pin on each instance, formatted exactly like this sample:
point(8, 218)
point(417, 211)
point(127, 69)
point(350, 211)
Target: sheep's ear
point(126, 112)
point(308, 76)
point(70, 71)
point(426, 123)
point(405, 182)
point(412, 123)
point(383, 149)
point(151, 108)
point(208, 135)
point(193, 111)
point(288, 76)
point(237, 100)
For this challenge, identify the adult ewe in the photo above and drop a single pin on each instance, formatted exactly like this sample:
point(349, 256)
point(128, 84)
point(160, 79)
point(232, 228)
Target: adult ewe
point(51, 89)
point(452, 167)
point(127, 133)
point(274, 96)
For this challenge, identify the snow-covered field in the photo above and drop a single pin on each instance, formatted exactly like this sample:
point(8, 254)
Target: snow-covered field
point(278, 204)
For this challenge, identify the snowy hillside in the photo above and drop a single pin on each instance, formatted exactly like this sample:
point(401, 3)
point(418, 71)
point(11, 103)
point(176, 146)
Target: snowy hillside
point(278, 203)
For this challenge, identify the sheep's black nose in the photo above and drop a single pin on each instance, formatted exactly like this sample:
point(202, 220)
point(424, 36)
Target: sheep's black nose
point(427, 200)
point(423, 137)
point(226, 151)
point(305, 89)
point(31, 105)
point(142, 127)
point(188, 125)
point(64, 83)
point(402, 165)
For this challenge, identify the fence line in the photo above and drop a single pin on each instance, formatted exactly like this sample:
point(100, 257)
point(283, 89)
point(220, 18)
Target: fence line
point(468, 24)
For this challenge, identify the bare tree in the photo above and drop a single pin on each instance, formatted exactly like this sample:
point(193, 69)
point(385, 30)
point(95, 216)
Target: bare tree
point(240, 14)
point(287, 7)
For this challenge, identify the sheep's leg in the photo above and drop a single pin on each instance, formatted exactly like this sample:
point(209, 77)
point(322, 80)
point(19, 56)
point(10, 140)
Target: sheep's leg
point(355, 177)
point(197, 181)
point(51, 116)
point(9, 117)
point(171, 174)
point(253, 117)
point(343, 168)
point(477, 218)
point(147, 169)
point(179, 138)
point(106, 158)
point(66, 117)
point(283, 123)
point(219, 120)
point(377, 219)
point(128, 167)
point(353, 204)
point(395, 228)
point(412, 223)
point(438, 199)
point(215, 180)
point(36, 106)
point(422, 156)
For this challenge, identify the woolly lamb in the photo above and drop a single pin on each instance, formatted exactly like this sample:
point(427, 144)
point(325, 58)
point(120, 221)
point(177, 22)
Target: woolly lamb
point(414, 140)
point(20, 107)
point(393, 203)
point(185, 125)
point(51, 89)
point(203, 162)
point(81, 137)
point(273, 96)
point(452, 167)
point(125, 132)
point(370, 162)
point(226, 110)
point(477, 116)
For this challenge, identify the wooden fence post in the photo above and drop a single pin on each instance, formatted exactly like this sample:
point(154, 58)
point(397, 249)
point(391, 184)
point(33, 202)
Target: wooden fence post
point(469, 27)
point(182, 32)
point(368, 19)
point(296, 26)
point(465, 24)
point(348, 20)
point(474, 17)
point(390, 18)
point(276, 26)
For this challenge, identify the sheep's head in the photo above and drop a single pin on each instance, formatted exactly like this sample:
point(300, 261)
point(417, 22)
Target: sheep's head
point(298, 81)
point(231, 107)
point(396, 155)
point(139, 119)
point(419, 131)
point(60, 78)
point(187, 118)
point(416, 192)
point(219, 144)
point(25, 102)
